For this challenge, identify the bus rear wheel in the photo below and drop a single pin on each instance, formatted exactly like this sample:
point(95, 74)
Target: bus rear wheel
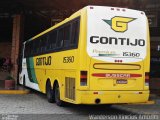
point(49, 92)
point(57, 96)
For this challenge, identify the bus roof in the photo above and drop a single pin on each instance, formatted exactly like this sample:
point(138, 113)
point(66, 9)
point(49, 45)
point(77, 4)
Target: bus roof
point(74, 15)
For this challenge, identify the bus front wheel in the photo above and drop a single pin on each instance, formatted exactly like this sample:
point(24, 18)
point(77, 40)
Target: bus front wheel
point(57, 96)
point(49, 92)
point(24, 81)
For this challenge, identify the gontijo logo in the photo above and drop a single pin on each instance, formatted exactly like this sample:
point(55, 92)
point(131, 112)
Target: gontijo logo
point(119, 24)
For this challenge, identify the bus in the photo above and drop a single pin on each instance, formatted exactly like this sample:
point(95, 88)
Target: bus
point(99, 55)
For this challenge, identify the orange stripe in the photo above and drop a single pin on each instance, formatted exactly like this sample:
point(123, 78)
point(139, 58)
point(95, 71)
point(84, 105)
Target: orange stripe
point(83, 76)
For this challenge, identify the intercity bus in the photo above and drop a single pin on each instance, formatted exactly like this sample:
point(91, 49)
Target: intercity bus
point(99, 55)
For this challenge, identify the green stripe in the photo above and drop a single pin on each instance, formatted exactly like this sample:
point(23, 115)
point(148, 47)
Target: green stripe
point(109, 22)
point(108, 55)
point(31, 70)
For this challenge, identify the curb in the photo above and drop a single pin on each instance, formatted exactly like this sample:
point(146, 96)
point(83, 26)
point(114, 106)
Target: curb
point(14, 92)
point(150, 102)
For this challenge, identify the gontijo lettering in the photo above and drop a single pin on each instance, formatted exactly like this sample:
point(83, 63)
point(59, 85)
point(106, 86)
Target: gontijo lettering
point(43, 60)
point(116, 41)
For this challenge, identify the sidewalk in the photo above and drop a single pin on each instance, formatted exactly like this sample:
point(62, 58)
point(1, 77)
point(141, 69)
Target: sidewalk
point(18, 89)
point(148, 109)
point(156, 98)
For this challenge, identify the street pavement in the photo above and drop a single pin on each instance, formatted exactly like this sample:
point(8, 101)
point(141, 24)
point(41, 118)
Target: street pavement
point(34, 106)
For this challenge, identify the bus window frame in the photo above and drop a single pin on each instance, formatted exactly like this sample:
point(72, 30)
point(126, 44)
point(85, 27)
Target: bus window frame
point(56, 49)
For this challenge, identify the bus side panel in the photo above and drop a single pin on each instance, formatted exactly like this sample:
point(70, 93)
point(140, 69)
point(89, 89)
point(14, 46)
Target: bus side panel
point(55, 69)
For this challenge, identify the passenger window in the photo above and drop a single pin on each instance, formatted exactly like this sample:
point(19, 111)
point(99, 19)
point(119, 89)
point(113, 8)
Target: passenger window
point(60, 38)
point(26, 52)
point(43, 44)
point(32, 48)
point(36, 46)
point(52, 38)
point(67, 35)
point(28, 49)
point(64, 36)
point(75, 33)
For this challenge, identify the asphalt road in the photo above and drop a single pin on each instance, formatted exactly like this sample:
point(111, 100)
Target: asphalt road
point(34, 106)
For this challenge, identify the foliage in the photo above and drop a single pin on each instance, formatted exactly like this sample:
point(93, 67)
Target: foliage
point(9, 77)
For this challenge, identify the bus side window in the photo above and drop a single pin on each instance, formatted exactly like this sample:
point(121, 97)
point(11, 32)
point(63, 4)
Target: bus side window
point(43, 44)
point(34, 44)
point(52, 37)
point(36, 47)
point(59, 43)
point(32, 48)
point(39, 47)
point(47, 43)
point(67, 35)
point(75, 33)
point(64, 36)
point(29, 49)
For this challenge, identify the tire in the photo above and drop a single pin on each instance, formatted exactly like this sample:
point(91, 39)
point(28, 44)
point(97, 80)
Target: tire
point(49, 93)
point(24, 81)
point(57, 96)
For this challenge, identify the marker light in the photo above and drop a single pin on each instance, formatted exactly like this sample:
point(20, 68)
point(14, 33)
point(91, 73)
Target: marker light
point(147, 78)
point(112, 8)
point(91, 8)
point(83, 78)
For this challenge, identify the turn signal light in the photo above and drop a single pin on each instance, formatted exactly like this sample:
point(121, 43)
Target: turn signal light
point(147, 78)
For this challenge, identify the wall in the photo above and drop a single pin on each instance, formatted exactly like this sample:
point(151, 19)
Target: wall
point(5, 49)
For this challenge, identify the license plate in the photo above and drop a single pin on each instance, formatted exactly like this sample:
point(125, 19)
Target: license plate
point(121, 81)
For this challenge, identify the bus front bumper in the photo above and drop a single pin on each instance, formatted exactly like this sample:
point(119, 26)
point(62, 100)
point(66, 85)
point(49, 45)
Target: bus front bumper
point(111, 97)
